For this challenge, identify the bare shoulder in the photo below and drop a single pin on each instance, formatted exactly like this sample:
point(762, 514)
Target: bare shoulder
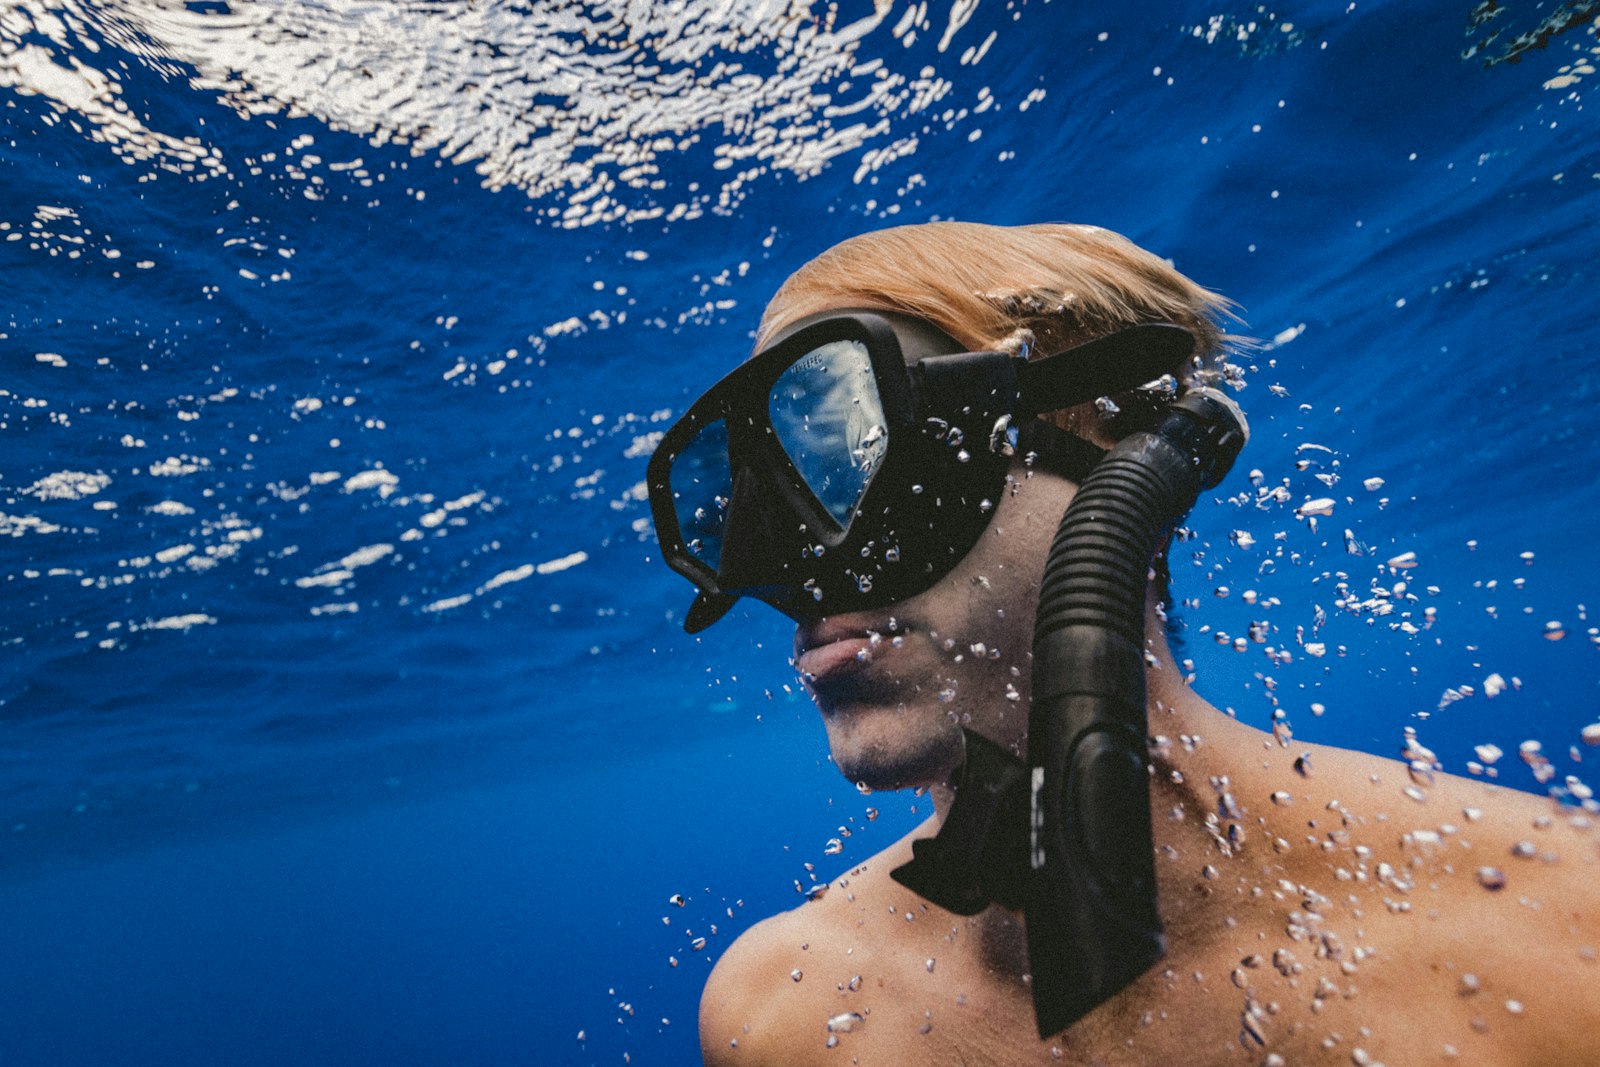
point(770, 997)
point(1485, 906)
point(787, 991)
point(1458, 901)
point(741, 1021)
point(1526, 890)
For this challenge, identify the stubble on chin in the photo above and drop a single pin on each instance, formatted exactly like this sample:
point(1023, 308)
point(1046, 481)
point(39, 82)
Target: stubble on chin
point(887, 726)
point(887, 748)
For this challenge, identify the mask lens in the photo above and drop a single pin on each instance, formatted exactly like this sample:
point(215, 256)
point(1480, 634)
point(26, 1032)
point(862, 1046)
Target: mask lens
point(702, 483)
point(829, 418)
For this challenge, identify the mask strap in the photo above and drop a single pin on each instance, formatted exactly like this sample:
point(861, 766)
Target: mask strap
point(1105, 366)
point(1057, 451)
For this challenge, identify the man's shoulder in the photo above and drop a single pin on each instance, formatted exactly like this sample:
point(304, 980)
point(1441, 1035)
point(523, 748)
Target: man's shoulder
point(737, 1007)
point(1489, 910)
point(758, 1002)
point(771, 996)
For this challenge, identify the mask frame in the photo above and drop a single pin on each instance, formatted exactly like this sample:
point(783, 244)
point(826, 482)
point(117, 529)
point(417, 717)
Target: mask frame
point(954, 420)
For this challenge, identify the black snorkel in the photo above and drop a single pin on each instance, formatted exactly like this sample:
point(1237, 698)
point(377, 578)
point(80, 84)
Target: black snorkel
point(1066, 836)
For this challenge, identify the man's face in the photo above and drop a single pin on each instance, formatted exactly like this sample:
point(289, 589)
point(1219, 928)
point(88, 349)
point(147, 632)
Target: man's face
point(896, 685)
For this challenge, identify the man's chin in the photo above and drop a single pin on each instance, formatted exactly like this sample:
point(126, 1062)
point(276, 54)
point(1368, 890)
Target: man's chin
point(887, 749)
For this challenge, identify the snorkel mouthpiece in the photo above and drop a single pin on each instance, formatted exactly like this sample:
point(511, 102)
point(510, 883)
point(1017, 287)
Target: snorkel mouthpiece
point(1082, 864)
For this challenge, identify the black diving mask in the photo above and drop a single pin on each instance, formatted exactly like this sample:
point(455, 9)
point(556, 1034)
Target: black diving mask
point(853, 461)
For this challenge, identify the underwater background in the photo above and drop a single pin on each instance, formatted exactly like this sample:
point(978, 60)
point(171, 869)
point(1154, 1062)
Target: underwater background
point(347, 715)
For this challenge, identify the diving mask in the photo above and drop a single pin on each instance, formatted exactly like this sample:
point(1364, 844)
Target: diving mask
point(855, 459)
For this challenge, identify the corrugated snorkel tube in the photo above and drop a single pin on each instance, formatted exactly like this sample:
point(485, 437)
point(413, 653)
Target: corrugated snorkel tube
point(1090, 893)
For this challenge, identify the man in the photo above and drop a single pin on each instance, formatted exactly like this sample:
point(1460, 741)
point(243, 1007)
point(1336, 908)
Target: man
point(1318, 905)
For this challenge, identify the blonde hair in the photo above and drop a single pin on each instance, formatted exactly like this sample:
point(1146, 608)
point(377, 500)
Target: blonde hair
point(1037, 289)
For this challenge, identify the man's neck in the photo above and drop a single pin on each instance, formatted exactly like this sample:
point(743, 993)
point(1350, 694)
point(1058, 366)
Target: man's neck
point(1174, 712)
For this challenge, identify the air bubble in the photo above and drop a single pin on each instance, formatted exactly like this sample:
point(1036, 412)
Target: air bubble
point(1003, 438)
point(1492, 878)
point(796, 974)
point(845, 1022)
point(1164, 388)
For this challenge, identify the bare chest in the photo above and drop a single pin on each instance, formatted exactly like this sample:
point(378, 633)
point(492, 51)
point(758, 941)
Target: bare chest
point(1220, 1005)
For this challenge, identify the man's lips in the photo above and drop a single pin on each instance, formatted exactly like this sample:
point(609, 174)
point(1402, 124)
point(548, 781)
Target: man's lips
point(819, 661)
point(832, 645)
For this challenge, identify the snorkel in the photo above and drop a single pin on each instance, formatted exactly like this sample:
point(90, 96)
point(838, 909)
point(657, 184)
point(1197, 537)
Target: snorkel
point(1066, 836)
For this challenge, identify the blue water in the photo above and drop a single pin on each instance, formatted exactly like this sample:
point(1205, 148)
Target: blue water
point(347, 714)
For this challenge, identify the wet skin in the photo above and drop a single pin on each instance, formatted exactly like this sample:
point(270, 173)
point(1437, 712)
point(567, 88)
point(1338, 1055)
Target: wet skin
point(1321, 915)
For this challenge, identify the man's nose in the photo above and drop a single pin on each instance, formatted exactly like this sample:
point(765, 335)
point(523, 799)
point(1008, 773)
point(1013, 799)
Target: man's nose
point(760, 539)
